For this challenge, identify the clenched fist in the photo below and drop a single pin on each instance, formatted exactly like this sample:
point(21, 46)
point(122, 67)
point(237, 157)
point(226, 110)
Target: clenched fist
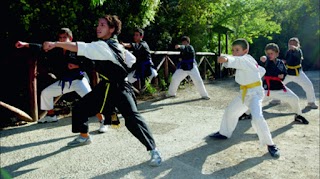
point(21, 44)
point(48, 46)
point(222, 59)
point(263, 59)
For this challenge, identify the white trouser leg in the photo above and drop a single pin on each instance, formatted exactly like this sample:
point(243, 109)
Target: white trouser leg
point(197, 80)
point(258, 122)
point(47, 95)
point(230, 117)
point(86, 76)
point(305, 83)
point(154, 73)
point(289, 97)
point(82, 87)
point(131, 79)
point(177, 77)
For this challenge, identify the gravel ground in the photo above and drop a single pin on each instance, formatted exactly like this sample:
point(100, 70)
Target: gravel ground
point(180, 127)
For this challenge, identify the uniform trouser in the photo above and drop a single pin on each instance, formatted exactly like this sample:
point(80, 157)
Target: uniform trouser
point(120, 96)
point(289, 97)
point(305, 83)
point(81, 87)
point(253, 101)
point(180, 74)
point(132, 79)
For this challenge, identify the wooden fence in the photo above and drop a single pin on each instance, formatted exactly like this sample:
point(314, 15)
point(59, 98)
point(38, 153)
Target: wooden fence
point(162, 59)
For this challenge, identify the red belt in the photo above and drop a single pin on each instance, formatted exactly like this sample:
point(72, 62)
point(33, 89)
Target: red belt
point(269, 78)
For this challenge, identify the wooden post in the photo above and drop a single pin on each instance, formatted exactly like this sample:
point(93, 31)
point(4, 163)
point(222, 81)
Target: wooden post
point(226, 42)
point(32, 63)
point(166, 69)
point(95, 78)
point(204, 69)
point(217, 65)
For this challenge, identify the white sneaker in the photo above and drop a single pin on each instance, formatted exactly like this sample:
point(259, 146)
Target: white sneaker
point(155, 158)
point(79, 141)
point(312, 106)
point(48, 119)
point(205, 97)
point(103, 128)
point(170, 96)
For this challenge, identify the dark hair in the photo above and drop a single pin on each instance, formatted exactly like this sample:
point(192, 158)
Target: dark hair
point(241, 42)
point(65, 30)
point(185, 38)
point(113, 21)
point(272, 46)
point(141, 32)
point(294, 39)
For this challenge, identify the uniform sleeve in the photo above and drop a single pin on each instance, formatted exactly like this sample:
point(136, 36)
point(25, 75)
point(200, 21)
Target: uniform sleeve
point(283, 68)
point(98, 50)
point(36, 50)
point(129, 58)
point(301, 54)
point(262, 70)
point(146, 46)
point(241, 62)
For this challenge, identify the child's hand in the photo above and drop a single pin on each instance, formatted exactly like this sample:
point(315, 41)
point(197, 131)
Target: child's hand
point(263, 59)
point(284, 61)
point(52, 75)
point(177, 46)
point(292, 47)
point(222, 59)
point(281, 76)
point(48, 46)
point(20, 44)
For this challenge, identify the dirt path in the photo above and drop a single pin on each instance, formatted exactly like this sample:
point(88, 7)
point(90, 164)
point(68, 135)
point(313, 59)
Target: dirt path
point(180, 126)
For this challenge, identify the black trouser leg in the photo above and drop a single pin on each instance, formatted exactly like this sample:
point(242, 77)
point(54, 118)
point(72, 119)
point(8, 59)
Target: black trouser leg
point(87, 106)
point(135, 123)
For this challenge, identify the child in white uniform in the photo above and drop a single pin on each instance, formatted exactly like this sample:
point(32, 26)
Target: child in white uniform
point(187, 66)
point(69, 76)
point(248, 75)
point(293, 60)
point(275, 73)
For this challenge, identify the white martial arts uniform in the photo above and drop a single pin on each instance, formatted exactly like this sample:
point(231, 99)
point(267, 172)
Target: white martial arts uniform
point(181, 74)
point(247, 72)
point(82, 87)
point(132, 79)
point(304, 82)
point(287, 96)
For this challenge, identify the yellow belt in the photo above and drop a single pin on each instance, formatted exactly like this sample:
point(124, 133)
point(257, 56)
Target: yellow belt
point(248, 86)
point(295, 68)
point(106, 93)
point(115, 123)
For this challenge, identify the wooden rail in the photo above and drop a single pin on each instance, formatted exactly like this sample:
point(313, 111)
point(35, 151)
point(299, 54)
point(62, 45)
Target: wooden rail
point(165, 63)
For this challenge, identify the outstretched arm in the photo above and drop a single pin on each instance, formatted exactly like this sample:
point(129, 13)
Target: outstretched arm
point(71, 46)
point(126, 45)
point(21, 44)
point(35, 48)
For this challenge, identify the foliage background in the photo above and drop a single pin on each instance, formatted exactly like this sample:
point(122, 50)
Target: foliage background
point(164, 22)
